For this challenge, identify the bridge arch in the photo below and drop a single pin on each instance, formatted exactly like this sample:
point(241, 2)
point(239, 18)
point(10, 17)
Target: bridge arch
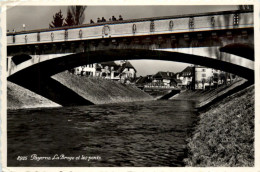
point(35, 74)
point(55, 64)
point(195, 39)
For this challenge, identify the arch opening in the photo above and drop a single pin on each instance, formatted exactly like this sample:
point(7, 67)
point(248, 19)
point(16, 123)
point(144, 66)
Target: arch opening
point(37, 77)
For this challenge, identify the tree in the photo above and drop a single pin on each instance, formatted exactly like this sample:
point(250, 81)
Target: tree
point(69, 21)
point(57, 20)
point(78, 14)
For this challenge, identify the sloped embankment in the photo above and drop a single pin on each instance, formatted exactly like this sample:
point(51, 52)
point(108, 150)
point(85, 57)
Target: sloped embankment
point(101, 91)
point(224, 135)
point(96, 90)
point(205, 97)
point(21, 98)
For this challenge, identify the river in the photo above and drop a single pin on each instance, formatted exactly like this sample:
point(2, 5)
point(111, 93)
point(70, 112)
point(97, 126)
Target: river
point(146, 134)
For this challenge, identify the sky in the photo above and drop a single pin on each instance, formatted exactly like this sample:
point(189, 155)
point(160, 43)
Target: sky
point(39, 17)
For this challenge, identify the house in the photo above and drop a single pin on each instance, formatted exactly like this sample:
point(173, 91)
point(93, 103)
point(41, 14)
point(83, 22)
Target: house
point(207, 77)
point(187, 76)
point(142, 81)
point(123, 71)
point(177, 82)
point(109, 70)
point(164, 79)
point(126, 72)
point(199, 77)
point(90, 69)
point(87, 70)
point(203, 77)
point(76, 70)
point(179, 76)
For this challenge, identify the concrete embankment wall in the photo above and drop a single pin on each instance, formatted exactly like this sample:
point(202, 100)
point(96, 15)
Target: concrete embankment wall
point(21, 98)
point(95, 90)
point(101, 91)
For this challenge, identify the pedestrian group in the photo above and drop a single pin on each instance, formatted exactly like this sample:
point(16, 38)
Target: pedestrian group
point(104, 20)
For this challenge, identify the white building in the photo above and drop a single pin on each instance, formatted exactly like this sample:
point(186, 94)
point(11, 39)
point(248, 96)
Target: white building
point(198, 77)
point(186, 76)
point(205, 77)
point(126, 72)
point(88, 70)
point(123, 70)
point(109, 70)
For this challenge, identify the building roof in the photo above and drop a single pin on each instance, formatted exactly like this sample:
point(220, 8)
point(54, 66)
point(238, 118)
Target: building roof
point(110, 63)
point(164, 75)
point(143, 80)
point(127, 64)
point(188, 71)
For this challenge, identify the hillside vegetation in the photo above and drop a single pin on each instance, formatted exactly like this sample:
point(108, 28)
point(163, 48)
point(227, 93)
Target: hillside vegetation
point(224, 135)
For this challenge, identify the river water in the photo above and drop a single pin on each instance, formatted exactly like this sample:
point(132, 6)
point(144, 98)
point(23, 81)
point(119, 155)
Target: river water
point(137, 134)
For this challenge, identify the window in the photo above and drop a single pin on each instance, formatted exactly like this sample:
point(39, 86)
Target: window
point(203, 70)
point(236, 19)
point(203, 75)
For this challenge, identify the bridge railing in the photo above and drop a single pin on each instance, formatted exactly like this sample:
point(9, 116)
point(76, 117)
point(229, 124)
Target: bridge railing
point(137, 27)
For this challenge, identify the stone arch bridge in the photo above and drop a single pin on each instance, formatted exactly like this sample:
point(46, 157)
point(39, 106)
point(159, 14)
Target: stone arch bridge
point(220, 40)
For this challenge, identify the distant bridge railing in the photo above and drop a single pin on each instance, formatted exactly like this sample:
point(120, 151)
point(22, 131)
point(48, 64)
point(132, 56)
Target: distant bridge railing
point(136, 27)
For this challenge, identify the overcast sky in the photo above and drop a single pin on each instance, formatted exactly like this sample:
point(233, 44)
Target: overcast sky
point(39, 17)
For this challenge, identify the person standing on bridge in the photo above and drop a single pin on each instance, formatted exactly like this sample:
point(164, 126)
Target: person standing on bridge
point(103, 19)
point(91, 21)
point(98, 20)
point(113, 18)
point(120, 17)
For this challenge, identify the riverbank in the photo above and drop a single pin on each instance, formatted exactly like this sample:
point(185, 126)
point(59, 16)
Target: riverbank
point(21, 98)
point(95, 90)
point(224, 135)
point(204, 98)
point(101, 91)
